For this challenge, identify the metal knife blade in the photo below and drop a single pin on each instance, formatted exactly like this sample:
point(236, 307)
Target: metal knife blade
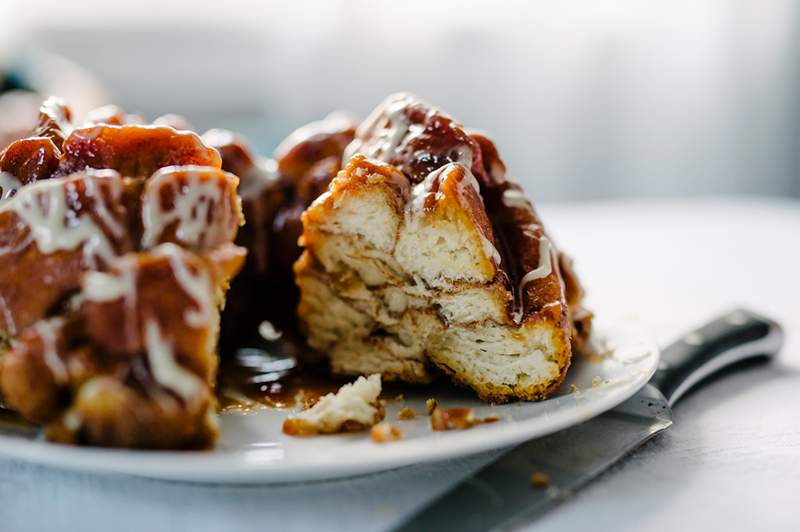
point(501, 494)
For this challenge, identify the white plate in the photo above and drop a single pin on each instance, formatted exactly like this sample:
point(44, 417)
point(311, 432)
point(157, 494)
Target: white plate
point(252, 448)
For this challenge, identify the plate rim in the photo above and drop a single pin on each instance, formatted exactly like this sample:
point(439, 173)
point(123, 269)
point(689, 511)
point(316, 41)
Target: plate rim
point(243, 466)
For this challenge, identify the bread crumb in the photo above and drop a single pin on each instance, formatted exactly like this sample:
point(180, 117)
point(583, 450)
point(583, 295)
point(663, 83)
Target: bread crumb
point(354, 407)
point(458, 418)
point(596, 381)
point(573, 388)
point(430, 405)
point(400, 397)
point(539, 480)
point(406, 414)
point(490, 419)
point(385, 432)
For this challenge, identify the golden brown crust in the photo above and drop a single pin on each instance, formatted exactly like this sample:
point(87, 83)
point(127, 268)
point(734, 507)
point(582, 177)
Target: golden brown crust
point(34, 281)
point(114, 326)
point(423, 139)
point(134, 150)
point(30, 159)
point(455, 176)
point(312, 143)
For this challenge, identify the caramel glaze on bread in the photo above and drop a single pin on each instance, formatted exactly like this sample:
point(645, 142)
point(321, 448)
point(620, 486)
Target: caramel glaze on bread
point(423, 256)
point(116, 249)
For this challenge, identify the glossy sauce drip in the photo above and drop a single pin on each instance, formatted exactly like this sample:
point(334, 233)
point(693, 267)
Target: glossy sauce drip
point(271, 377)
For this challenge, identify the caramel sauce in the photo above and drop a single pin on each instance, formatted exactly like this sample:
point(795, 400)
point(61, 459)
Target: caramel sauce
point(274, 374)
point(282, 373)
point(12, 418)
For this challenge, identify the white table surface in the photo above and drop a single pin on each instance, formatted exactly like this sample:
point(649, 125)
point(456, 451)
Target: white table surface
point(730, 462)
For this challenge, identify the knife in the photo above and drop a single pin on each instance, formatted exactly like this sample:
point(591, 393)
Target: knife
point(534, 477)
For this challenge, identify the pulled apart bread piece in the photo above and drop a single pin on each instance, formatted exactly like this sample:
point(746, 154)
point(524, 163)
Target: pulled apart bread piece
point(116, 249)
point(355, 406)
point(423, 256)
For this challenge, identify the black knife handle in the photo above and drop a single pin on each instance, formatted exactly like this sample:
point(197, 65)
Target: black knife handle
point(737, 336)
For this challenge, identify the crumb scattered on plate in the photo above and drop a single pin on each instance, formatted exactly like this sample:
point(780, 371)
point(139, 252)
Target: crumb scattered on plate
point(457, 418)
point(385, 432)
point(354, 407)
point(406, 414)
point(597, 381)
point(430, 405)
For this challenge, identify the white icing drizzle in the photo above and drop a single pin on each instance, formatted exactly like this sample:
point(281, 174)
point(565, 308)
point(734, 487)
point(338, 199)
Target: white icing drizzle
point(53, 226)
point(423, 188)
point(545, 266)
point(100, 207)
point(72, 420)
point(469, 180)
point(391, 111)
point(9, 184)
point(17, 247)
point(542, 270)
point(398, 127)
point(43, 207)
point(489, 250)
point(421, 191)
point(104, 287)
point(194, 201)
point(464, 155)
point(196, 285)
point(11, 326)
point(268, 331)
point(166, 371)
point(47, 332)
point(515, 198)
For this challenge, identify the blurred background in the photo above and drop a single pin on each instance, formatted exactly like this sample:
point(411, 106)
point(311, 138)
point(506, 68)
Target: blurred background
point(586, 99)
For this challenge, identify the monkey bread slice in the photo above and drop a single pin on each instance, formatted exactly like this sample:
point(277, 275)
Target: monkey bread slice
point(423, 257)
